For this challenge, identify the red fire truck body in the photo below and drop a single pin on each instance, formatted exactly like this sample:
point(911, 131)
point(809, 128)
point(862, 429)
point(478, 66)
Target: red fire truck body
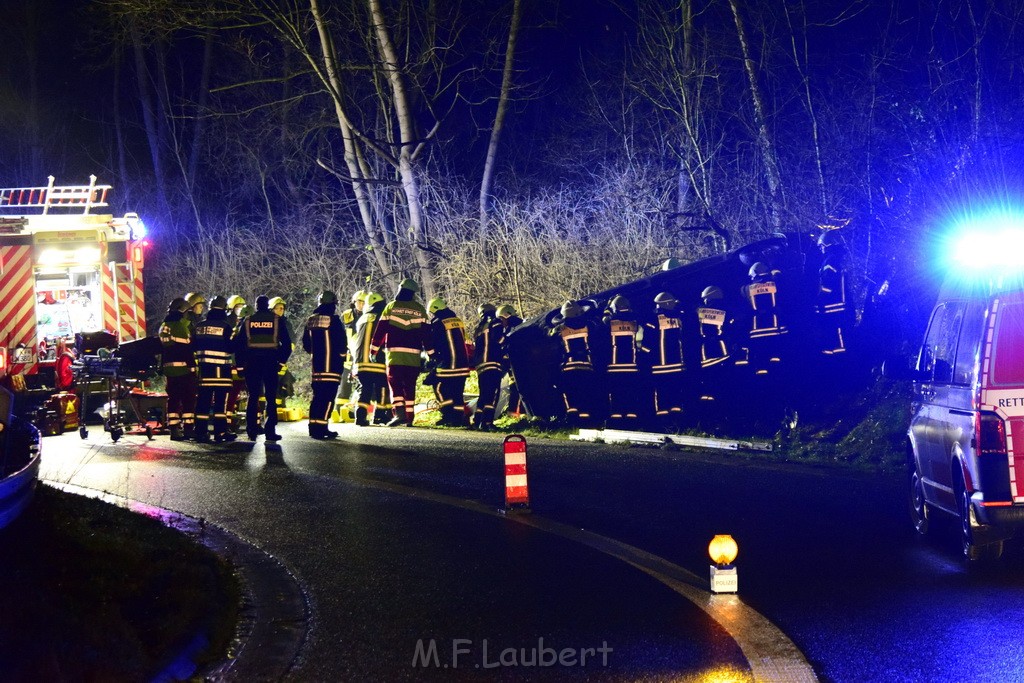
point(65, 270)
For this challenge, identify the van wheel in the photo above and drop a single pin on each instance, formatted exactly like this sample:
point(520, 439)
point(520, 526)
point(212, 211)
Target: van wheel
point(919, 509)
point(974, 552)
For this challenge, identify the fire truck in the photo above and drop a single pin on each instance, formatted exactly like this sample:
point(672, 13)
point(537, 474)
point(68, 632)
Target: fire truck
point(65, 269)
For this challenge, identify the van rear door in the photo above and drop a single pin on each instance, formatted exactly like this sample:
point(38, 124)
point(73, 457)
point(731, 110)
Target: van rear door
point(1002, 381)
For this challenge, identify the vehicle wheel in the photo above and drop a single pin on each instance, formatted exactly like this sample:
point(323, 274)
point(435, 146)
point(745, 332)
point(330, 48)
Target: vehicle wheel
point(83, 432)
point(115, 433)
point(919, 509)
point(974, 552)
point(149, 432)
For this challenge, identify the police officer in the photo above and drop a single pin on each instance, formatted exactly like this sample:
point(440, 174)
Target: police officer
point(262, 346)
point(196, 307)
point(833, 313)
point(450, 361)
point(349, 318)
point(509, 321)
point(624, 378)
point(324, 338)
point(403, 334)
point(663, 339)
point(368, 368)
point(577, 383)
point(237, 380)
point(488, 356)
point(178, 366)
point(213, 347)
point(765, 327)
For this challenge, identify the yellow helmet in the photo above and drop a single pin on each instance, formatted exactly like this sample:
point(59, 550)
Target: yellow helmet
point(235, 300)
point(275, 302)
point(360, 295)
point(436, 304)
point(373, 298)
point(194, 299)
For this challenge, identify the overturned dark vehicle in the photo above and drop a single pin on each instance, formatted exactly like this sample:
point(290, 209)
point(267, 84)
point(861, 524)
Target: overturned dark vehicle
point(810, 365)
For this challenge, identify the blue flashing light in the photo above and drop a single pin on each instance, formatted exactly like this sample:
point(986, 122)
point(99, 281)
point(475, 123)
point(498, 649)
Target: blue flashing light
point(988, 243)
point(136, 226)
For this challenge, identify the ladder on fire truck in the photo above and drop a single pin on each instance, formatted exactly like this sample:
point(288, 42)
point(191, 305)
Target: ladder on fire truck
point(85, 197)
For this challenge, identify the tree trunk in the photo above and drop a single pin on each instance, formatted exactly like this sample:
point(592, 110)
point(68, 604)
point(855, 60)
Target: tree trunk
point(149, 121)
point(407, 139)
point(764, 139)
point(499, 117)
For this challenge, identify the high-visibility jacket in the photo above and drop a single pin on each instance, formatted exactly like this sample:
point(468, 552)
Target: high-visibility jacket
point(663, 337)
point(402, 333)
point(623, 330)
point(489, 344)
point(176, 359)
point(761, 295)
point(262, 337)
point(212, 343)
point(324, 338)
point(714, 348)
point(448, 334)
point(831, 286)
point(576, 337)
point(363, 359)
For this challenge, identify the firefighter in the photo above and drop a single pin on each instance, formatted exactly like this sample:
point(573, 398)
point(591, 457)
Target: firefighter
point(235, 305)
point(285, 378)
point(178, 366)
point(349, 317)
point(716, 328)
point(663, 340)
point(324, 338)
point(237, 380)
point(368, 369)
point(624, 376)
point(833, 312)
point(196, 307)
point(509, 321)
point(449, 359)
point(488, 357)
point(212, 342)
point(576, 378)
point(765, 327)
point(402, 333)
point(262, 347)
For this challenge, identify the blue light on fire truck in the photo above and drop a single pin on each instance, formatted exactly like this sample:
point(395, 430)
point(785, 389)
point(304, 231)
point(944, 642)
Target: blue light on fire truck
point(136, 227)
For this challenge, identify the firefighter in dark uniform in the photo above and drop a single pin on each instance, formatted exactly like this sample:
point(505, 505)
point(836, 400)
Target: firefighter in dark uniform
point(178, 366)
point(765, 327)
point(196, 307)
point(349, 317)
point(624, 378)
point(237, 380)
point(717, 329)
point(577, 383)
point(488, 356)
point(235, 305)
point(212, 342)
point(663, 340)
point(262, 346)
point(369, 369)
point(509, 320)
point(449, 359)
point(833, 311)
point(324, 338)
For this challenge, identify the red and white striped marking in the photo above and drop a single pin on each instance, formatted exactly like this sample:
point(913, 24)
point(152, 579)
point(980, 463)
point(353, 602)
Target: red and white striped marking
point(517, 494)
point(108, 298)
point(17, 292)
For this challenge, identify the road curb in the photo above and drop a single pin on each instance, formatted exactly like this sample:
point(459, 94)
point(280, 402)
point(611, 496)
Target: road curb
point(274, 616)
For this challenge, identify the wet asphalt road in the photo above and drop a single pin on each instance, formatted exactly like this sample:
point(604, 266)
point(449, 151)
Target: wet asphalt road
point(826, 555)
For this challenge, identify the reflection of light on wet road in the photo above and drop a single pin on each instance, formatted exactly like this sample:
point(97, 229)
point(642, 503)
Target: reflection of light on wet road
point(153, 453)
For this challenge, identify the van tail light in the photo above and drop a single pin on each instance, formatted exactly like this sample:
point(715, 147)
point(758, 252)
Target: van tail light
point(989, 434)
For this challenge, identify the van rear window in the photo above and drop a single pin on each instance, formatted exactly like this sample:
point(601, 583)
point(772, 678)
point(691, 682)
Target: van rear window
point(1008, 349)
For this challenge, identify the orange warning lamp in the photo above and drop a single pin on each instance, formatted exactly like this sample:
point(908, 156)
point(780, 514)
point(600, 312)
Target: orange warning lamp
point(3, 361)
point(138, 254)
point(723, 551)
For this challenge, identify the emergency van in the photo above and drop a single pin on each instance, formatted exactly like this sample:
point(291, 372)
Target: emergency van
point(965, 444)
point(65, 269)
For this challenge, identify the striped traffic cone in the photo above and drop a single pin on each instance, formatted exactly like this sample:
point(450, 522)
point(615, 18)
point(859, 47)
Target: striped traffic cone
point(517, 494)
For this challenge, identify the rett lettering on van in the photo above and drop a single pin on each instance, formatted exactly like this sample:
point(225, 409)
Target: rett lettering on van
point(1009, 402)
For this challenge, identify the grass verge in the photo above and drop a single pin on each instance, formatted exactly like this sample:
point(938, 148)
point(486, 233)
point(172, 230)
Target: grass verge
point(89, 591)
